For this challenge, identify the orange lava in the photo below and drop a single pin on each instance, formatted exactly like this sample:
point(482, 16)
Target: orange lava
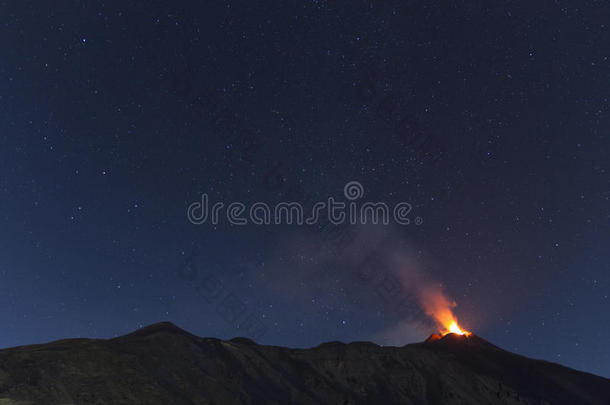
point(439, 307)
point(454, 328)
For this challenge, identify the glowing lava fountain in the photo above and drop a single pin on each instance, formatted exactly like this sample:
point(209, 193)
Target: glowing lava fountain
point(439, 307)
point(454, 328)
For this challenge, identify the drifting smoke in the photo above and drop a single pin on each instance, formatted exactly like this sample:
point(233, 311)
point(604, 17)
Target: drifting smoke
point(378, 269)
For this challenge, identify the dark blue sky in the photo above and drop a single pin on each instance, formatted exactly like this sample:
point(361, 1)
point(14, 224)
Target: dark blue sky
point(492, 121)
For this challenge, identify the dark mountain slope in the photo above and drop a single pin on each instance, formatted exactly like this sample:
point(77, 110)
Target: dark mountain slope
point(162, 364)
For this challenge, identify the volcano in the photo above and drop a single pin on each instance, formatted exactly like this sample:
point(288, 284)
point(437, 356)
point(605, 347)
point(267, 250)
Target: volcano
point(163, 364)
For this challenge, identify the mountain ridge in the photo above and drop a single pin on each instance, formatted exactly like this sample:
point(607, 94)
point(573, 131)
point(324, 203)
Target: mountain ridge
point(164, 364)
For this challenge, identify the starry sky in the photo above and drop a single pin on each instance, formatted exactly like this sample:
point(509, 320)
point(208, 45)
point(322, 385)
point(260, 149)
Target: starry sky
point(490, 118)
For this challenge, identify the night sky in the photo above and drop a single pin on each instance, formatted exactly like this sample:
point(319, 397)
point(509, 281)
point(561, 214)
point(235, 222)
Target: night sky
point(490, 118)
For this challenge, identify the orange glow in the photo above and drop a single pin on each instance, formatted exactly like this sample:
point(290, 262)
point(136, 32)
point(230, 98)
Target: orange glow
point(439, 307)
point(454, 328)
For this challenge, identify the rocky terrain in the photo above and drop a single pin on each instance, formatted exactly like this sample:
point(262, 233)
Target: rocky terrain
point(163, 364)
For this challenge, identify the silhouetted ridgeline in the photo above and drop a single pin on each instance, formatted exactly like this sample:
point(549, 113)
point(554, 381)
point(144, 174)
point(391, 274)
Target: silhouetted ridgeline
point(162, 364)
